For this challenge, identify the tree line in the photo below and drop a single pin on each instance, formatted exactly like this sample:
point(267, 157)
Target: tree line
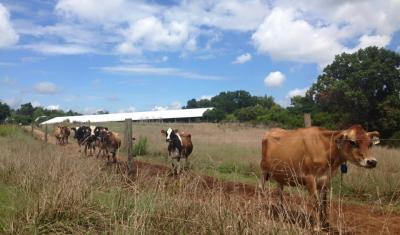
point(27, 114)
point(361, 87)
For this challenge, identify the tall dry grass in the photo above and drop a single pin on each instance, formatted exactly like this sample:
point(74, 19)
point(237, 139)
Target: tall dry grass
point(49, 189)
point(233, 152)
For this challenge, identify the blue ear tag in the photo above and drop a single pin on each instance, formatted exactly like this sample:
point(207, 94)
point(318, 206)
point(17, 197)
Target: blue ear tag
point(343, 168)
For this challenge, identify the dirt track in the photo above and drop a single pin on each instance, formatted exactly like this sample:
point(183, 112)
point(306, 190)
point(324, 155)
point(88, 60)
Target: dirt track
point(355, 219)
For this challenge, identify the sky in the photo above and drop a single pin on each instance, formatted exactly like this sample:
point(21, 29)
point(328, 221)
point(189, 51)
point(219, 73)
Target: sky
point(126, 55)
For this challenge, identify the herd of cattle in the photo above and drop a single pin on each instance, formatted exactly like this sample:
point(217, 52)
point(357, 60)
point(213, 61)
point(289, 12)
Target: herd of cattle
point(91, 137)
point(108, 142)
point(306, 156)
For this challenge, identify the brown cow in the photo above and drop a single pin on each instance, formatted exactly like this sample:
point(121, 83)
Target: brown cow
point(311, 157)
point(58, 134)
point(65, 132)
point(109, 142)
point(180, 146)
point(61, 133)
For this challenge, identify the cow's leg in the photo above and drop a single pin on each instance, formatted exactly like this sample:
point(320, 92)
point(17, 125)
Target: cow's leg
point(324, 204)
point(174, 164)
point(313, 191)
point(264, 178)
point(184, 163)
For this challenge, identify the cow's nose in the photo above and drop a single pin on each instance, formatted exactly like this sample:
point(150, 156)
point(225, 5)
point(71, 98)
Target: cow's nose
point(371, 163)
point(168, 140)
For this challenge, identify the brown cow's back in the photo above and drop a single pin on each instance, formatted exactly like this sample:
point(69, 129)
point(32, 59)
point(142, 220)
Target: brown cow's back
point(187, 146)
point(290, 155)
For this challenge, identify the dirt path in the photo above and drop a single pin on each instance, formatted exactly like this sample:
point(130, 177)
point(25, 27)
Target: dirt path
point(354, 219)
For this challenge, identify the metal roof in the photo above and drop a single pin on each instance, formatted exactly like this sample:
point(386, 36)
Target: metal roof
point(135, 116)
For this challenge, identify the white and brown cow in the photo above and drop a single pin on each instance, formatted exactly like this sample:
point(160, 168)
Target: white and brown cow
point(312, 156)
point(180, 146)
point(61, 133)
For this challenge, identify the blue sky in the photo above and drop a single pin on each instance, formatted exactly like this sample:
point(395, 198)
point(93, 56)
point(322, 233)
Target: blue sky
point(122, 55)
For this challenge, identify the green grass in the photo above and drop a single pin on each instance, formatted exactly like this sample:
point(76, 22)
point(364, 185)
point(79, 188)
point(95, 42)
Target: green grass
point(7, 130)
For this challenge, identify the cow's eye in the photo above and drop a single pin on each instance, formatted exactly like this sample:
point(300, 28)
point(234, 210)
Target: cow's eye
point(354, 144)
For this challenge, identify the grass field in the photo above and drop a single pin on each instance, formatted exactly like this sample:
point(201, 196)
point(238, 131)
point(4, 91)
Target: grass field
point(48, 189)
point(233, 152)
point(51, 189)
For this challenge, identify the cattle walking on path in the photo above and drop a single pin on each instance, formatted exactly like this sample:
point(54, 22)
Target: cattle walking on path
point(311, 157)
point(179, 148)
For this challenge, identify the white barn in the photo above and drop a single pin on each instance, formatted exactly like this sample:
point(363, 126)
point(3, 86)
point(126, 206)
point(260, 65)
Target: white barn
point(135, 116)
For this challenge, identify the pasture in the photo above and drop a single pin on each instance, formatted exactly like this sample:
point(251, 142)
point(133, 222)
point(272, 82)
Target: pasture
point(54, 189)
point(233, 152)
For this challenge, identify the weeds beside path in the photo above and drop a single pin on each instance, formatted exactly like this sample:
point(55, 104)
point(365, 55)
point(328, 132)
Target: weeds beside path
point(166, 205)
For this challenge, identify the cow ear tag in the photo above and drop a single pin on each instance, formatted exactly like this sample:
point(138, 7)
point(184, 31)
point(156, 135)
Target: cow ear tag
point(343, 168)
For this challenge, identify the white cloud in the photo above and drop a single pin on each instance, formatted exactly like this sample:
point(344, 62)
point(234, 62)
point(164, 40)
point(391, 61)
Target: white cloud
point(35, 103)
point(375, 40)
point(238, 15)
point(152, 34)
point(157, 71)
point(46, 88)
point(53, 107)
point(206, 97)
point(296, 92)
point(285, 37)
point(130, 109)
point(8, 35)
point(59, 49)
point(313, 31)
point(172, 106)
point(242, 59)
point(274, 79)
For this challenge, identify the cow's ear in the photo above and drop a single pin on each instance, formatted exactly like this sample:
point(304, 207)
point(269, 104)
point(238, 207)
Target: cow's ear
point(340, 138)
point(163, 131)
point(374, 135)
point(176, 130)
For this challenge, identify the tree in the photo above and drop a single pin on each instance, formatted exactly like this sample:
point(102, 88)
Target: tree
point(232, 100)
point(363, 87)
point(26, 109)
point(214, 115)
point(5, 111)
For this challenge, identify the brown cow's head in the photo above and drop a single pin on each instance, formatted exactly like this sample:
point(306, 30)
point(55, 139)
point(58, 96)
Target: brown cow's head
point(355, 143)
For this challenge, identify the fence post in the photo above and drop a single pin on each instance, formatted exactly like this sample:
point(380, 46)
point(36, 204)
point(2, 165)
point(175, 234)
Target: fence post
point(307, 120)
point(45, 133)
point(32, 128)
point(129, 143)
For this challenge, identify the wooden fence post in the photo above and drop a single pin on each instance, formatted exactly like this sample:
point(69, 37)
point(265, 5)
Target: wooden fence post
point(45, 133)
point(307, 120)
point(32, 129)
point(129, 143)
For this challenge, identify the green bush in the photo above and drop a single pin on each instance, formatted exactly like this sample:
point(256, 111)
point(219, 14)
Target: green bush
point(394, 140)
point(141, 147)
point(7, 130)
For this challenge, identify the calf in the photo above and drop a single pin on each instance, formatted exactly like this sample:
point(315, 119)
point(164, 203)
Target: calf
point(179, 146)
point(311, 156)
